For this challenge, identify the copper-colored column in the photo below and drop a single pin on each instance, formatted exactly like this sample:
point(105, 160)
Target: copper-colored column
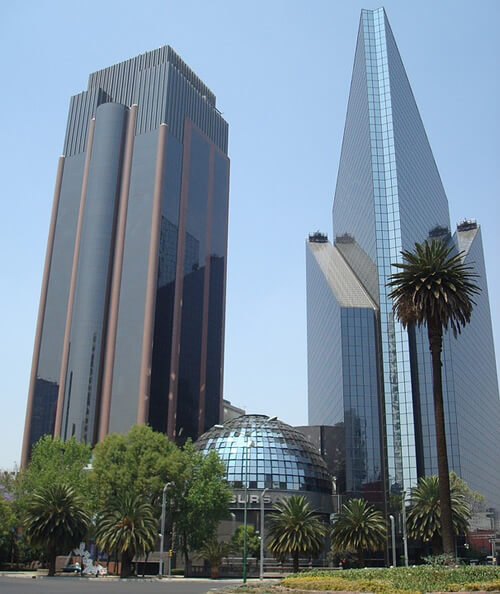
point(221, 410)
point(179, 285)
point(25, 452)
point(149, 310)
point(109, 354)
point(72, 286)
point(206, 293)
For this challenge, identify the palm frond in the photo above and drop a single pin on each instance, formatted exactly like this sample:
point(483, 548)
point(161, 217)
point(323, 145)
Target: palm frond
point(295, 528)
point(359, 527)
point(433, 285)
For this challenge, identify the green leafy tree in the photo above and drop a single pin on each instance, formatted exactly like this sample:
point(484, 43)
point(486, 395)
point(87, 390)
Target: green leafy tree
point(424, 514)
point(253, 541)
point(295, 529)
point(128, 526)
point(359, 527)
point(143, 461)
point(435, 288)
point(199, 498)
point(140, 462)
point(8, 525)
point(7, 481)
point(476, 501)
point(55, 519)
point(55, 462)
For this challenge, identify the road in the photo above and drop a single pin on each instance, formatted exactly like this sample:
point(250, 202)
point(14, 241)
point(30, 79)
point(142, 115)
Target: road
point(75, 585)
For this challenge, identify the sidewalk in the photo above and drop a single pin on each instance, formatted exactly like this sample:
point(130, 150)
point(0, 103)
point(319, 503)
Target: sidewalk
point(39, 575)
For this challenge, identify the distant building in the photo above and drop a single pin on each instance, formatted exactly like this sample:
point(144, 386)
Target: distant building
point(365, 372)
point(231, 411)
point(131, 319)
point(330, 443)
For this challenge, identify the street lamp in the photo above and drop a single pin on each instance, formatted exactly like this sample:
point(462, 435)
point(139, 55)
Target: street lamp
point(261, 572)
point(405, 536)
point(248, 445)
point(162, 535)
point(393, 535)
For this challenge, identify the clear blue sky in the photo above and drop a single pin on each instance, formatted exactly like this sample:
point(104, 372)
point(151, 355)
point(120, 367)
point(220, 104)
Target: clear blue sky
point(281, 72)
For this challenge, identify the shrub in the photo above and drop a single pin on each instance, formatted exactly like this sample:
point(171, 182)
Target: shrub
point(443, 560)
point(337, 583)
point(424, 578)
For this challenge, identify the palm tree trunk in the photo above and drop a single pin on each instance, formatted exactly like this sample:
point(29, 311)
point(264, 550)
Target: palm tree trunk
point(126, 562)
point(361, 557)
point(52, 561)
point(295, 561)
point(435, 333)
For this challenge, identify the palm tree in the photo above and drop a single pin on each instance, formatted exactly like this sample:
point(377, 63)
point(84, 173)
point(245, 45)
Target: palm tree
point(214, 551)
point(424, 514)
point(295, 528)
point(435, 287)
point(360, 527)
point(56, 519)
point(129, 527)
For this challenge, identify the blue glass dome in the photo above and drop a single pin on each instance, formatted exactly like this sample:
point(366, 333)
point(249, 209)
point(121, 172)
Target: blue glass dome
point(272, 454)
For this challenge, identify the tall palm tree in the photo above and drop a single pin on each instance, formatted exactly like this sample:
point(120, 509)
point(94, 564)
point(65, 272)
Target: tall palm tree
point(294, 529)
point(360, 527)
point(435, 287)
point(424, 514)
point(129, 527)
point(56, 519)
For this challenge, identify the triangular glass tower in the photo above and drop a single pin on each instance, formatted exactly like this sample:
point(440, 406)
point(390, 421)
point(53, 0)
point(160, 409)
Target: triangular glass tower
point(389, 195)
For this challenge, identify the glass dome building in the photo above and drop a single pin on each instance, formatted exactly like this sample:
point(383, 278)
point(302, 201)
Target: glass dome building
point(266, 454)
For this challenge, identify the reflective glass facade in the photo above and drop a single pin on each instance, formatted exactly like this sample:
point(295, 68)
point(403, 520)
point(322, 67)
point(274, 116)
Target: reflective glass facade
point(476, 383)
point(343, 368)
point(388, 196)
point(131, 318)
point(267, 453)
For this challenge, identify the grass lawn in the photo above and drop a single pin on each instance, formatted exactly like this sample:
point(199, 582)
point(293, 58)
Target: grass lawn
point(424, 578)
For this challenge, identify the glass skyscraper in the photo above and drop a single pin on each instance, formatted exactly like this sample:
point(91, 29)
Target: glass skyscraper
point(388, 196)
point(131, 319)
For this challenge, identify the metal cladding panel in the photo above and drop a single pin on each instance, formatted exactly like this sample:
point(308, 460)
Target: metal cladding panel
point(150, 93)
point(112, 79)
point(361, 264)
point(81, 110)
point(183, 101)
point(165, 89)
point(348, 290)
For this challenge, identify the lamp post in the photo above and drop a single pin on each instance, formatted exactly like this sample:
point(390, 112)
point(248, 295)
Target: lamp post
point(405, 536)
point(261, 572)
point(233, 523)
point(162, 535)
point(393, 535)
point(248, 445)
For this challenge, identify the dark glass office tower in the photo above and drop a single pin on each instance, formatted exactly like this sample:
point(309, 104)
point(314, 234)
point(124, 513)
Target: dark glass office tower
point(388, 196)
point(131, 319)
